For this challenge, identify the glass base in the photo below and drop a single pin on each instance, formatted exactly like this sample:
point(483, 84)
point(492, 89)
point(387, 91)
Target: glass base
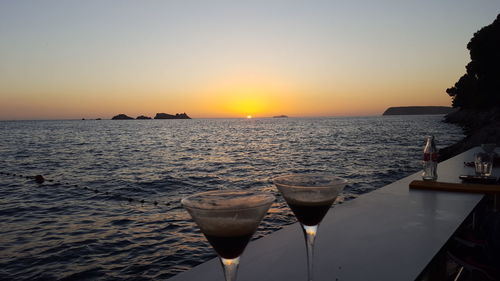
point(310, 236)
point(230, 267)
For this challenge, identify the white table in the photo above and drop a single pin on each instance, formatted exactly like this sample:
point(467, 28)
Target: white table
point(391, 233)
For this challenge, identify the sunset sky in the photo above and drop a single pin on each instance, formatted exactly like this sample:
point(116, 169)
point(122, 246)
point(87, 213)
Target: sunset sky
point(97, 58)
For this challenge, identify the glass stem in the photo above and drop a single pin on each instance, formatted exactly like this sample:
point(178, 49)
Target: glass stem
point(310, 235)
point(230, 267)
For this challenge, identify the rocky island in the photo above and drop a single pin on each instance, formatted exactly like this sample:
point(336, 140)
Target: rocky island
point(418, 110)
point(170, 116)
point(158, 116)
point(121, 117)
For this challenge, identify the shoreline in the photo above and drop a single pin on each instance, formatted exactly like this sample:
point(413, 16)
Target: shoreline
point(479, 127)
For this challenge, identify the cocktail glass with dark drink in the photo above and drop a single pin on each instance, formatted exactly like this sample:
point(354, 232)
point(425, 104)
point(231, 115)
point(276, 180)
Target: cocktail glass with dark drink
point(310, 196)
point(228, 219)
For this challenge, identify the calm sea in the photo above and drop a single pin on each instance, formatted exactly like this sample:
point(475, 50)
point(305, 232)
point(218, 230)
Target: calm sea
point(81, 225)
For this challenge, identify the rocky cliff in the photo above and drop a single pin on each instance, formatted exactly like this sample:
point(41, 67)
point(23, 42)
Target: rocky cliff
point(479, 127)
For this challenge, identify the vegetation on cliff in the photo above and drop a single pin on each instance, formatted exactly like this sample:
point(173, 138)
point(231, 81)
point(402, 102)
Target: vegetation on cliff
point(477, 93)
point(479, 87)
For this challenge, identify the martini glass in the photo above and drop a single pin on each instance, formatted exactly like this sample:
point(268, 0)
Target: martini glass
point(228, 219)
point(309, 196)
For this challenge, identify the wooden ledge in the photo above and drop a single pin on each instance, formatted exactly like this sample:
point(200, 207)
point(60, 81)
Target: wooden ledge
point(456, 187)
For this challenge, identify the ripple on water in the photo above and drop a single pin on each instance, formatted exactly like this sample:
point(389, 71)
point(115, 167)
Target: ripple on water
point(63, 232)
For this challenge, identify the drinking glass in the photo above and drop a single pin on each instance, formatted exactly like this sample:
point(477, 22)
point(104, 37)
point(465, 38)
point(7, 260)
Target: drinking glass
point(484, 164)
point(228, 219)
point(310, 196)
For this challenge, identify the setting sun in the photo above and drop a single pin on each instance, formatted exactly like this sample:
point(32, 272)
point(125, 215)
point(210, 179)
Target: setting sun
point(249, 116)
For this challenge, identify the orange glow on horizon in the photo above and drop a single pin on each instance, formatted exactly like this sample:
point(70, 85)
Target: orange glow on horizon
point(226, 96)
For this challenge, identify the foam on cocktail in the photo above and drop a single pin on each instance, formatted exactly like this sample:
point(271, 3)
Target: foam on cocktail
point(228, 227)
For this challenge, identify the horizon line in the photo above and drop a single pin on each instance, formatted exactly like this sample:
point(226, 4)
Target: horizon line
point(244, 118)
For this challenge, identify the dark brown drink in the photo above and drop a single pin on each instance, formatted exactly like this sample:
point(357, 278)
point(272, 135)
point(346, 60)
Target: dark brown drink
point(228, 219)
point(310, 213)
point(229, 247)
point(309, 196)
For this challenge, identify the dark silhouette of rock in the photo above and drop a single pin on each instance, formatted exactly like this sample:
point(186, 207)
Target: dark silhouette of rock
point(418, 110)
point(280, 116)
point(475, 137)
point(142, 117)
point(479, 127)
point(121, 117)
point(170, 116)
point(98, 119)
point(471, 120)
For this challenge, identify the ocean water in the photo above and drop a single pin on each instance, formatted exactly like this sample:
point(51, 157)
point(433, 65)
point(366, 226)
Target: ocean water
point(80, 225)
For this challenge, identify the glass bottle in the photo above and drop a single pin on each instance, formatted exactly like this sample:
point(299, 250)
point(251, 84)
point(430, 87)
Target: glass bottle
point(430, 160)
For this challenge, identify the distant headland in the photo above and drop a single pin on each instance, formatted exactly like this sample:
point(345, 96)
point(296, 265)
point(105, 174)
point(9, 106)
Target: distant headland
point(280, 116)
point(158, 116)
point(418, 110)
